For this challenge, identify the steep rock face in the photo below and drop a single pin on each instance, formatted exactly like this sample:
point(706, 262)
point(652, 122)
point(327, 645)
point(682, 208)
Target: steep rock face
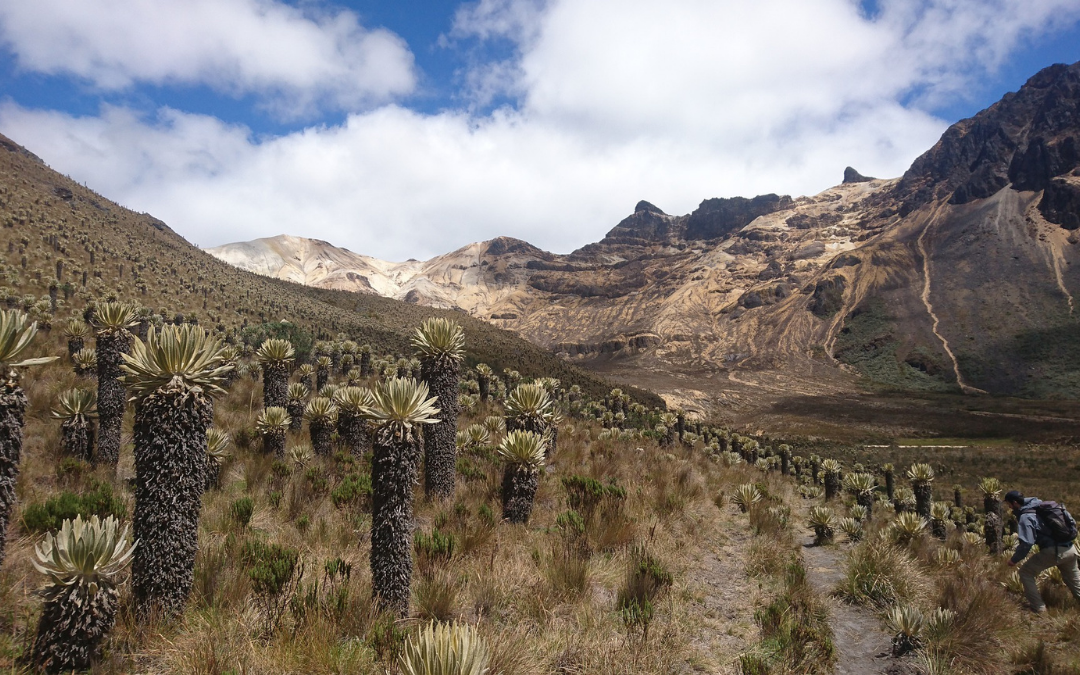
point(720, 217)
point(959, 276)
point(1025, 139)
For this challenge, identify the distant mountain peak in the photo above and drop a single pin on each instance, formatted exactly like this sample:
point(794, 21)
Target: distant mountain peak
point(853, 176)
point(646, 206)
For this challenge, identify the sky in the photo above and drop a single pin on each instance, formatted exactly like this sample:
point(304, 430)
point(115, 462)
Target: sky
point(408, 129)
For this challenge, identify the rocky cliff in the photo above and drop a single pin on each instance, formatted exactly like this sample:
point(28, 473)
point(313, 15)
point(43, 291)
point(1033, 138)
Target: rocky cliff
point(958, 276)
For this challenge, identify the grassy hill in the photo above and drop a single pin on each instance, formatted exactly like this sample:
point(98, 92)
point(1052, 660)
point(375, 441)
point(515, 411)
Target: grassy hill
point(60, 238)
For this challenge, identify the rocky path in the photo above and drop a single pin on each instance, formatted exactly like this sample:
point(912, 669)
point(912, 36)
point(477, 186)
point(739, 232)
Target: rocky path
point(862, 645)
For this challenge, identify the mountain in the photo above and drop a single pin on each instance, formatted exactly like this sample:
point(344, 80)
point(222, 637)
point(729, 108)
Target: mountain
point(65, 245)
point(957, 276)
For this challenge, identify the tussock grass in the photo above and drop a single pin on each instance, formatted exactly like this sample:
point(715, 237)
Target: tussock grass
point(544, 599)
point(881, 575)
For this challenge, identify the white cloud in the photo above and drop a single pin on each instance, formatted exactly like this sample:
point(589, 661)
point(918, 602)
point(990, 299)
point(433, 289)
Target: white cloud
point(293, 61)
point(396, 184)
point(621, 100)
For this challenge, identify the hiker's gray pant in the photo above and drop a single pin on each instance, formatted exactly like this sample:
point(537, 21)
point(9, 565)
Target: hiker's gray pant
point(1062, 557)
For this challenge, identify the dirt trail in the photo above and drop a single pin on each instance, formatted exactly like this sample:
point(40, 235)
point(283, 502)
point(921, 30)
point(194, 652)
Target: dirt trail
point(862, 645)
point(722, 609)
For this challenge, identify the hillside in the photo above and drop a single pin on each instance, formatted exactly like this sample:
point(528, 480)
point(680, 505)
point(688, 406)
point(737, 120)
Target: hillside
point(957, 277)
point(62, 238)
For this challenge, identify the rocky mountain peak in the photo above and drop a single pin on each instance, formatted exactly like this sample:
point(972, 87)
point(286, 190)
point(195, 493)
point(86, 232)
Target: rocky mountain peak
point(853, 176)
point(506, 245)
point(646, 206)
point(1028, 139)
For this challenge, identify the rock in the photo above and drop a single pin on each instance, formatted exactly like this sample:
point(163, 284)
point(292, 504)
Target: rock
point(646, 225)
point(646, 206)
point(810, 249)
point(765, 296)
point(505, 245)
point(772, 271)
point(716, 218)
point(853, 176)
point(1060, 203)
point(803, 221)
point(845, 260)
point(828, 297)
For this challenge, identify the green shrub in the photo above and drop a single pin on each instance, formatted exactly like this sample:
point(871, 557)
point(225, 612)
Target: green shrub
point(433, 549)
point(71, 469)
point(317, 479)
point(353, 489)
point(275, 572)
point(469, 470)
point(585, 495)
point(487, 515)
point(241, 510)
point(99, 501)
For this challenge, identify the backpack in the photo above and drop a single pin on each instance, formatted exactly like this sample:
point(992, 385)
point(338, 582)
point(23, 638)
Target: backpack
point(1056, 522)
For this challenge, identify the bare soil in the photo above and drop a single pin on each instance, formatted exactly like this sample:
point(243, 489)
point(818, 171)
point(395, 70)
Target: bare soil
point(862, 645)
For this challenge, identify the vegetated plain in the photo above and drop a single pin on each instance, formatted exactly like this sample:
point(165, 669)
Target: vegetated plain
point(634, 559)
point(547, 597)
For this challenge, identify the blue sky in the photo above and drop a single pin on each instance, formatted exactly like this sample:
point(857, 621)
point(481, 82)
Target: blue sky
point(408, 129)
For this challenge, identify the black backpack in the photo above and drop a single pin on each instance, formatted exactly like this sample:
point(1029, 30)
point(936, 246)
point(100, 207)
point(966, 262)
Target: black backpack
point(1056, 522)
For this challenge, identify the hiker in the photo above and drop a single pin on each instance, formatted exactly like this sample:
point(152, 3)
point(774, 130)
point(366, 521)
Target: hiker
point(1050, 526)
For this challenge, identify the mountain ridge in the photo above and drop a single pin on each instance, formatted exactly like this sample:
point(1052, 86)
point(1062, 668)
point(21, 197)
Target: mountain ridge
point(956, 276)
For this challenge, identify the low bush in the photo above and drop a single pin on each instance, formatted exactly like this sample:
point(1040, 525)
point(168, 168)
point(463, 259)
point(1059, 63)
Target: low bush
point(275, 572)
point(98, 501)
point(354, 489)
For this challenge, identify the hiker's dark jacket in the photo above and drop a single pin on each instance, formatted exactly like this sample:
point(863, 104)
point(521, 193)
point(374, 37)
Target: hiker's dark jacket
point(1029, 531)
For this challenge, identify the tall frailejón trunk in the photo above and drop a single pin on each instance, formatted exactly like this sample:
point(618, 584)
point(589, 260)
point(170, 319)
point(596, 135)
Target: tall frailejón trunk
point(295, 407)
point(832, 485)
point(484, 382)
point(12, 414)
point(993, 524)
point(112, 394)
point(321, 433)
point(71, 628)
point(440, 453)
point(353, 433)
point(393, 469)
point(77, 437)
point(170, 476)
point(274, 443)
point(74, 345)
point(275, 385)
point(924, 497)
point(866, 500)
point(518, 492)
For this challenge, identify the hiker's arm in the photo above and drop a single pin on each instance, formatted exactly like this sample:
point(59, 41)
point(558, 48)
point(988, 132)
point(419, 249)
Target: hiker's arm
point(1022, 550)
point(1025, 534)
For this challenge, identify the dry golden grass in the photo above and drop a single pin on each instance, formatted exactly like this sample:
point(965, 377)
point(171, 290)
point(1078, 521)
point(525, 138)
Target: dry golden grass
point(543, 605)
